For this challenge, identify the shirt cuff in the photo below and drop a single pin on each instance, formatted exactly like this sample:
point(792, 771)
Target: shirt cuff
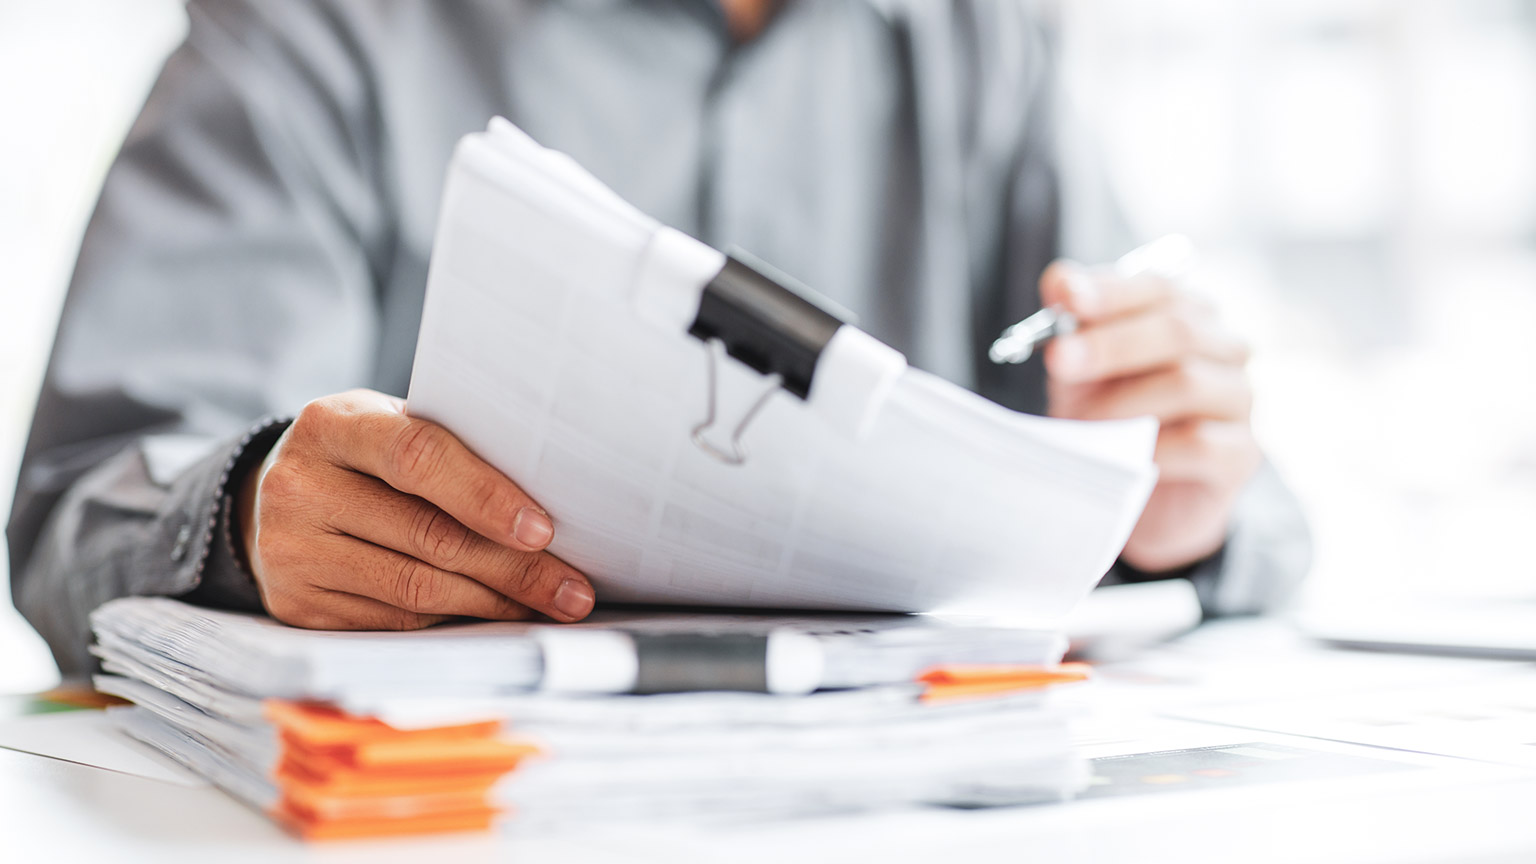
point(223, 579)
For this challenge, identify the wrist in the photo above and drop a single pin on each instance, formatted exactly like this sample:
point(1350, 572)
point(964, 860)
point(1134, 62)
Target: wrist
point(245, 500)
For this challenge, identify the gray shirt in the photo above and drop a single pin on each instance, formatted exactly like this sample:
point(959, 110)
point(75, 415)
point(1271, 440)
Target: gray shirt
point(263, 237)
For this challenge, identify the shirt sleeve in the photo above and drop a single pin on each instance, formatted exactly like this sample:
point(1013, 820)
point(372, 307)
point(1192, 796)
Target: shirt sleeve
point(228, 274)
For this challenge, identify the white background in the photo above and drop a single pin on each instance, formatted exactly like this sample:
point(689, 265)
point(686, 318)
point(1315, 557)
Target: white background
point(1360, 173)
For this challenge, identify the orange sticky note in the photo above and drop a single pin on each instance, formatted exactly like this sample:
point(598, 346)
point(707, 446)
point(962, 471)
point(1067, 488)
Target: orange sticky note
point(969, 681)
point(320, 725)
point(347, 776)
point(307, 827)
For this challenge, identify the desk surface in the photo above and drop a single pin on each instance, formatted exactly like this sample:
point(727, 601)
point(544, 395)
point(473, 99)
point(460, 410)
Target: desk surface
point(1447, 810)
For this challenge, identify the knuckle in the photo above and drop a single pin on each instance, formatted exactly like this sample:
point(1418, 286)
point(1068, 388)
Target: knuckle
point(439, 537)
point(416, 587)
point(492, 501)
point(314, 420)
point(417, 450)
point(281, 485)
point(523, 575)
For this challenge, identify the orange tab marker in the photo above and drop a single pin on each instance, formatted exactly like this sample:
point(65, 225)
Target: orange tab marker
point(975, 681)
point(342, 776)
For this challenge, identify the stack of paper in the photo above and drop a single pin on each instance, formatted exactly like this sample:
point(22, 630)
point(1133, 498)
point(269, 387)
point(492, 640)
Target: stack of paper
point(353, 734)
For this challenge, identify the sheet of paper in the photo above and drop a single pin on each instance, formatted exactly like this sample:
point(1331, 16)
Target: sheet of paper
point(91, 738)
point(223, 662)
point(1490, 721)
point(539, 349)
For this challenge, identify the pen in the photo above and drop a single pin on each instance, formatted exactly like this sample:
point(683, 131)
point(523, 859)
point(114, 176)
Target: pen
point(1166, 256)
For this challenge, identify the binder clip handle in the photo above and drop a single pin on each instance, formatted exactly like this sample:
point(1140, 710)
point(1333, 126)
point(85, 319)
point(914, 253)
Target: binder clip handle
point(735, 452)
point(767, 323)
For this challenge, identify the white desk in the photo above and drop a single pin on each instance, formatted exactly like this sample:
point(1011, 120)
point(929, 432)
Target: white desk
point(1455, 811)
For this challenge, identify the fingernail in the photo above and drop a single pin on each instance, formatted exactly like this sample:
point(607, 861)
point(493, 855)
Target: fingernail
point(574, 599)
point(532, 528)
point(1071, 356)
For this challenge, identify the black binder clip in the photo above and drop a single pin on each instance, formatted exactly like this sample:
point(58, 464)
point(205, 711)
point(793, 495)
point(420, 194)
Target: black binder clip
point(767, 323)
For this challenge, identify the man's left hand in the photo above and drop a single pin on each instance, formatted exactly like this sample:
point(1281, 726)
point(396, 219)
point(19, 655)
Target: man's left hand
point(1146, 347)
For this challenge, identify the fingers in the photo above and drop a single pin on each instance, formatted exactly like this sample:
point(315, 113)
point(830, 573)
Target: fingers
point(359, 501)
point(1193, 389)
point(423, 459)
point(419, 531)
point(1099, 294)
point(325, 609)
point(338, 562)
point(1141, 343)
point(414, 585)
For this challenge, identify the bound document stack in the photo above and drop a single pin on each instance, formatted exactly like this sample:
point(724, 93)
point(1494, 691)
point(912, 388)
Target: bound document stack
point(361, 734)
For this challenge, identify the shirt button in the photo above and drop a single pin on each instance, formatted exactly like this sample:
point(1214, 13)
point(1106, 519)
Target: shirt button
point(183, 539)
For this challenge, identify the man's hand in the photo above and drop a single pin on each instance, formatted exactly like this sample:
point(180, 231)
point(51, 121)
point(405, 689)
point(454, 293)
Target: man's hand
point(1144, 347)
point(364, 518)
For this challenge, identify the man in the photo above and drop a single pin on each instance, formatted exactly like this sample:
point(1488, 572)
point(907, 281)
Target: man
point(262, 242)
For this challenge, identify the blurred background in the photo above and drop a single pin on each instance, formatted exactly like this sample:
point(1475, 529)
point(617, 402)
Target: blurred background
point(1359, 174)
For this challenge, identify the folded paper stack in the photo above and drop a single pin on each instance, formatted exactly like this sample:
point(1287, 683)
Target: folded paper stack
point(339, 735)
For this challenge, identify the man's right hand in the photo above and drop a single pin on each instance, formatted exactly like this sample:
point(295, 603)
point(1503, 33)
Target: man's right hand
point(362, 518)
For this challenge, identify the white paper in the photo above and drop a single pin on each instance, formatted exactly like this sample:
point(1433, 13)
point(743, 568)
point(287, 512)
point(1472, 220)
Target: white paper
point(545, 348)
point(90, 738)
point(1491, 721)
point(225, 662)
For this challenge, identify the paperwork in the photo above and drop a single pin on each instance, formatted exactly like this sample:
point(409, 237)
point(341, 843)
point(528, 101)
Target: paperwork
point(595, 357)
point(207, 656)
point(327, 731)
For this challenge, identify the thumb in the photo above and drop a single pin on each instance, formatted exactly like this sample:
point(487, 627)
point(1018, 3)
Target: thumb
point(1071, 286)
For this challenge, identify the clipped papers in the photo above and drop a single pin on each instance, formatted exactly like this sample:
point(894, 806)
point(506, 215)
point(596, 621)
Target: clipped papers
point(656, 399)
point(428, 677)
point(343, 735)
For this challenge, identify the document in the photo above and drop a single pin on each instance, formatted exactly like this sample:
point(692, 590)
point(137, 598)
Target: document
point(1488, 721)
point(595, 356)
point(89, 737)
point(361, 734)
point(456, 672)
